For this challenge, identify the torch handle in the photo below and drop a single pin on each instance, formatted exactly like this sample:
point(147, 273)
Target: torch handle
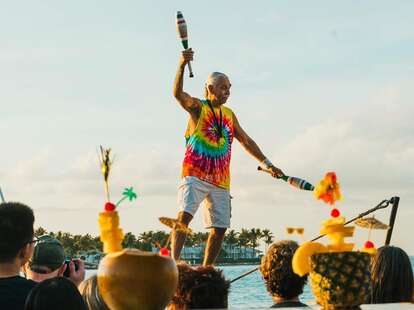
point(284, 178)
point(190, 69)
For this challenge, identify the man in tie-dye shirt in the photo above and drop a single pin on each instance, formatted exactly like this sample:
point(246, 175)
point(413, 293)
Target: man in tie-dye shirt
point(206, 166)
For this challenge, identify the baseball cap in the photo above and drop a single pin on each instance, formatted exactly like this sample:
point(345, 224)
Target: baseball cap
point(48, 252)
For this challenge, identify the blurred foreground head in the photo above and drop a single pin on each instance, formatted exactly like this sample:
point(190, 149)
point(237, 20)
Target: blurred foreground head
point(200, 288)
point(57, 293)
point(16, 232)
point(392, 276)
point(276, 269)
point(90, 294)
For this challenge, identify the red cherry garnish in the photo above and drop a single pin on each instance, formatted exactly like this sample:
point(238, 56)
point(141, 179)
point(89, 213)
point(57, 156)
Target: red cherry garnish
point(164, 252)
point(109, 206)
point(369, 245)
point(335, 213)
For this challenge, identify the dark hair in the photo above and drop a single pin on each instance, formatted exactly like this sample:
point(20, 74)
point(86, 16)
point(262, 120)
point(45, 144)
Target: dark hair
point(276, 269)
point(391, 276)
point(56, 293)
point(91, 296)
point(16, 229)
point(201, 288)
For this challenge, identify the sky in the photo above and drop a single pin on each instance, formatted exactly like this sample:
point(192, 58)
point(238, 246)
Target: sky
point(320, 86)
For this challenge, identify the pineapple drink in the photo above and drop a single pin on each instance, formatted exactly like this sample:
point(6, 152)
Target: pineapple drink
point(339, 277)
point(129, 278)
point(111, 234)
point(336, 232)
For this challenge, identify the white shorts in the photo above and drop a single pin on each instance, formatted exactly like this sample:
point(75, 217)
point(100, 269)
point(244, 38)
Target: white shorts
point(217, 206)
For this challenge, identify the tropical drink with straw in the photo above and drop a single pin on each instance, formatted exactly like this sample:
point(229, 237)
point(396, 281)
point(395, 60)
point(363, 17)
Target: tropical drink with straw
point(130, 278)
point(340, 277)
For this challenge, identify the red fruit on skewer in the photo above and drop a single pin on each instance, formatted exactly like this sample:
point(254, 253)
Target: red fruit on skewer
point(109, 206)
point(369, 245)
point(335, 213)
point(164, 252)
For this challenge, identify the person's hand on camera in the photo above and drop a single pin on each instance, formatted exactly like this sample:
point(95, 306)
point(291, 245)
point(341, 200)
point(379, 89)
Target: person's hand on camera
point(77, 275)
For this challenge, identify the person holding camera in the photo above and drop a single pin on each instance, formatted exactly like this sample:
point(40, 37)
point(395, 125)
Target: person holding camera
point(16, 248)
point(48, 261)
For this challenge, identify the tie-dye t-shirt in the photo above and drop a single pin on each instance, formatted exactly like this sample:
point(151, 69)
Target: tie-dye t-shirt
point(207, 157)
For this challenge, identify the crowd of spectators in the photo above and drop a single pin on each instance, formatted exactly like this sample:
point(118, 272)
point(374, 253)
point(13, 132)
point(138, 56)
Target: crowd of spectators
point(34, 274)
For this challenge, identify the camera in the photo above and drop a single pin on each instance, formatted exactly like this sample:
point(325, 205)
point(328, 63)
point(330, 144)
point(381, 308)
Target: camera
point(67, 270)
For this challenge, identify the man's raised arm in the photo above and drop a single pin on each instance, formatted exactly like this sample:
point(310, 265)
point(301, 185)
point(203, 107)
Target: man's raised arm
point(253, 149)
point(190, 104)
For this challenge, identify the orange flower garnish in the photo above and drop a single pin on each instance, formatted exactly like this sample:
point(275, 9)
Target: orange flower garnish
point(328, 189)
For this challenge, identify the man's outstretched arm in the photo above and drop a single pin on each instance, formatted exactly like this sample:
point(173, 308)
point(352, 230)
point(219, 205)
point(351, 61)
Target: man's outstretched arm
point(190, 104)
point(252, 148)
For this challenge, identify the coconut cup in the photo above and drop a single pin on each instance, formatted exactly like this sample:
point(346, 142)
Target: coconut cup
point(340, 280)
point(134, 279)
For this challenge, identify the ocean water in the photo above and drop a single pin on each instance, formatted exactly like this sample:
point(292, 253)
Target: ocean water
point(250, 291)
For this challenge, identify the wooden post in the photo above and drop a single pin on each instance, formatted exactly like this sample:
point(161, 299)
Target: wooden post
point(394, 201)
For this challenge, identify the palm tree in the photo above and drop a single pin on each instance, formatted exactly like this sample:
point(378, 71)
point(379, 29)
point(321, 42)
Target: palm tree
point(190, 240)
point(231, 240)
point(243, 241)
point(267, 238)
point(200, 238)
point(129, 240)
point(254, 236)
point(40, 232)
point(146, 238)
point(159, 238)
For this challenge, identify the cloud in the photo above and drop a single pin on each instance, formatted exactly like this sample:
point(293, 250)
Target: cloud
point(372, 152)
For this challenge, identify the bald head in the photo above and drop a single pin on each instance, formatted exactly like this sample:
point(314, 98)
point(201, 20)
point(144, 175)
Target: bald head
point(217, 87)
point(215, 77)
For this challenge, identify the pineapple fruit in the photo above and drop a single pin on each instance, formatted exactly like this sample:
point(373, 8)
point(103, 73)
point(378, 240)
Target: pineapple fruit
point(340, 279)
point(111, 234)
point(300, 261)
point(336, 231)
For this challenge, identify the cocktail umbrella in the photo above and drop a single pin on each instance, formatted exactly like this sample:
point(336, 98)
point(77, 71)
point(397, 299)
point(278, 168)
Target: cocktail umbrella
point(370, 223)
point(173, 224)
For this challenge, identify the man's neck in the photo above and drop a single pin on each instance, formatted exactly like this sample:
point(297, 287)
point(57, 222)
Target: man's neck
point(39, 277)
point(279, 300)
point(214, 103)
point(11, 269)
